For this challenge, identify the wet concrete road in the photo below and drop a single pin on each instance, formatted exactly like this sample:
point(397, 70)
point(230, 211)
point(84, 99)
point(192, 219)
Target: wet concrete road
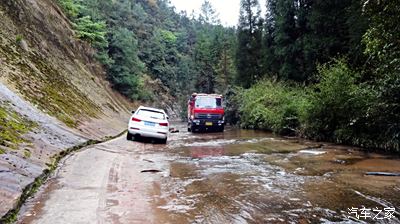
point(239, 176)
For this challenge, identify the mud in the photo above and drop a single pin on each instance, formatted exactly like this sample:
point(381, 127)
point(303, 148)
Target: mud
point(238, 176)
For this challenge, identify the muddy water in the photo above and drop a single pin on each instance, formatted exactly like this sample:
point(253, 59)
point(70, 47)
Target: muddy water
point(239, 176)
point(244, 176)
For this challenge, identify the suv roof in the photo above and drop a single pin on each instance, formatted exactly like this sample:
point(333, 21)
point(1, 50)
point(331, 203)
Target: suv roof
point(205, 94)
point(151, 108)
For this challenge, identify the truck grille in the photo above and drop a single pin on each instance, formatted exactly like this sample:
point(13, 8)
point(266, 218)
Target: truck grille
point(209, 116)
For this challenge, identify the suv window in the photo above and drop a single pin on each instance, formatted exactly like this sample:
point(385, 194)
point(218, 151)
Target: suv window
point(151, 114)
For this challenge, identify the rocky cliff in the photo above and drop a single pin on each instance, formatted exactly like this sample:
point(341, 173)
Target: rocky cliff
point(53, 94)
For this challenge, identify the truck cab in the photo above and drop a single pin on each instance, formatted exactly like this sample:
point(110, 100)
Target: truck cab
point(206, 113)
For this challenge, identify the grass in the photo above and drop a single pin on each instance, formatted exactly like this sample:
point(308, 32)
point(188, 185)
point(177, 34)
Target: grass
point(19, 38)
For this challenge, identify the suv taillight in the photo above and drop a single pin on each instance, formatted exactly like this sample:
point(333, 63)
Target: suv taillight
point(164, 124)
point(135, 119)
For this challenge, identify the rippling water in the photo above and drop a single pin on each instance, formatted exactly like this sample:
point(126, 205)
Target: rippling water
point(244, 176)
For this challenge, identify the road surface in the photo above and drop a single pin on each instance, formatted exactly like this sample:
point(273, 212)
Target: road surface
point(239, 176)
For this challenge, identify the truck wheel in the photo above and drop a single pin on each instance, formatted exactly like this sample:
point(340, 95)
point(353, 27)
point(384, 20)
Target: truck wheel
point(221, 129)
point(189, 128)
point(194, 130)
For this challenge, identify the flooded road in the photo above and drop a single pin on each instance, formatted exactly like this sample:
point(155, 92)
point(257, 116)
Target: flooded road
point(239, 176)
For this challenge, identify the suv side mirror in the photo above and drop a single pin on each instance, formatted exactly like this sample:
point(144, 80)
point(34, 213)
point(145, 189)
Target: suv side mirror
point(133, 111)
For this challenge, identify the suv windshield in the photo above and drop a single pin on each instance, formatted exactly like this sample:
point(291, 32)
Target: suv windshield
point(151, 114)
point(208, 102)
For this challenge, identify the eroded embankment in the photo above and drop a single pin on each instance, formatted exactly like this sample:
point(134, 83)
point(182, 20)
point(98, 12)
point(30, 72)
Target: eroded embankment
point(53, 94)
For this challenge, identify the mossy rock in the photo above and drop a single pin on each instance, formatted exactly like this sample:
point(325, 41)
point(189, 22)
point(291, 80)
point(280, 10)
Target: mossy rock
point(12, 127)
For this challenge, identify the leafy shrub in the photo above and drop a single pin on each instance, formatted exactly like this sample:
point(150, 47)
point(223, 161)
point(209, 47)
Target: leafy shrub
point(338, 105)
point(273, 106)
point(19, 38)
point(70, 7)
point(384, 115)
point(91, 31)
point(232, 102)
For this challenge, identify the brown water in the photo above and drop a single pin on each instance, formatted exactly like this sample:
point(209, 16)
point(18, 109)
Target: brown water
point(239, 176)
point(244, 176)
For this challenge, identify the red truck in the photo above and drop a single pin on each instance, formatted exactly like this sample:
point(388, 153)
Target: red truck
point(206, 113)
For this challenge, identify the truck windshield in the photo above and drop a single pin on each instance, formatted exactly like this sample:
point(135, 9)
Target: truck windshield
point(208, 102)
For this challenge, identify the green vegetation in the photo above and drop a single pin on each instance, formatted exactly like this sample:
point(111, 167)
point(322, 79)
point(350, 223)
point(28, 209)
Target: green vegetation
point(353, 100)
point(275, 106)
point(337, 103)
point(92, 32)
point(338, 108)
point(328, 70)
point(12, 127)
point(70, 7)
point(27, 153)
point(18, 38)
point(142, 38)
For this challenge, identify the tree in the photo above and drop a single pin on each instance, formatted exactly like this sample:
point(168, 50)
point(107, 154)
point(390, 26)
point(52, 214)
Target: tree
point(269, 61)
point(208, 15)
point(248, 54)
point(205, 59)
point(382, 37)
point(126, 70)
point(225, 67)
point(285, 37)
point(383, 51)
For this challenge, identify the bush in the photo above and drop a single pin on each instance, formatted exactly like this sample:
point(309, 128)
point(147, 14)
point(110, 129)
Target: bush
point(339, 108)
point(232, 100)
point(273, 106)
point(91, 31)
point(19, 38)
point(338, 105)
point(384, 115)
point(70, 7)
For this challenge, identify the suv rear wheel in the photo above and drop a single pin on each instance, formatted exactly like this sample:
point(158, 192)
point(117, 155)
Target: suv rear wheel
point(129, 136)
point(163, 141)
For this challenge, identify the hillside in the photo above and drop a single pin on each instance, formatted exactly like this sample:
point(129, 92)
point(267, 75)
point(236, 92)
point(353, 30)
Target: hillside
point(70, 70)
point(53, 94)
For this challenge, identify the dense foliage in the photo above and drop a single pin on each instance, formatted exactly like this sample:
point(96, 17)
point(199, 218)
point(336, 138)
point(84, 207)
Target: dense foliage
point(275, 106)
point(327, 70)
point(353, 100)
point(135, 38)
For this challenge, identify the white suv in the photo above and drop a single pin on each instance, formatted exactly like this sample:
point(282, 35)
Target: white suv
point(148, 122)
